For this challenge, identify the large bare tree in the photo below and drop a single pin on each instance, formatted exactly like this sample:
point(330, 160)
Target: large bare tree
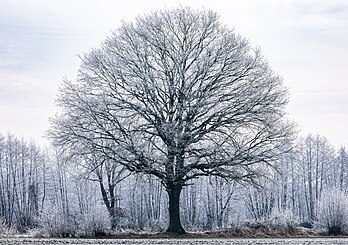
point(177, 95)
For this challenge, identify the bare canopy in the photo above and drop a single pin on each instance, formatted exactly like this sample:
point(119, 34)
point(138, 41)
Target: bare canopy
point(177, 95)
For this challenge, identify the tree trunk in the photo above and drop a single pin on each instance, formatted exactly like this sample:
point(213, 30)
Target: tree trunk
point(110, 205)
point(113, 219)
point(174, 191)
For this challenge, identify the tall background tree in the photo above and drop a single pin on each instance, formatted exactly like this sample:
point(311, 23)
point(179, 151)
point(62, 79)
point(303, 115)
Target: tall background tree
point(176, 95)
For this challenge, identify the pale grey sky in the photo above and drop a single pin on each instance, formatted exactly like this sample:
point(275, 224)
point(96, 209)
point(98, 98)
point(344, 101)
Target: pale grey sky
point(305, 41)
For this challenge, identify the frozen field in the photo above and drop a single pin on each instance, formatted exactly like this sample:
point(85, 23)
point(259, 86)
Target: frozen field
point(304, 241)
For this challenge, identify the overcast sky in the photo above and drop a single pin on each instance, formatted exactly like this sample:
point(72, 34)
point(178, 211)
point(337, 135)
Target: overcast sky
point(306, 42)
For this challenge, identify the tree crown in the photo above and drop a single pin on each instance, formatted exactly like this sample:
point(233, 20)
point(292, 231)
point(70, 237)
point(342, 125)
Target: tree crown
point(176, 94)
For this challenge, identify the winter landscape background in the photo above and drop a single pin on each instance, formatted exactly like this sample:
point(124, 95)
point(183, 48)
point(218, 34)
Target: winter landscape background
point(75, 188)
point(58, 195)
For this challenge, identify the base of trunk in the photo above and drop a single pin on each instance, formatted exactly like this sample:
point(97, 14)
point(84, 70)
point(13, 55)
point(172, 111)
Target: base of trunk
point(176, 230)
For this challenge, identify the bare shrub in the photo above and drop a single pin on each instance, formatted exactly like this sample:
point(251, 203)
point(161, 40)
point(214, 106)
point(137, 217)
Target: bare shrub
point(6, 230)
point(333, 211)
point(95, 223)
point(282, 218)
point(58, 224)
point(156, 225)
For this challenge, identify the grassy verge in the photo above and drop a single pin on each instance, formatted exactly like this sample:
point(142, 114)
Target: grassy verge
point(229, 233)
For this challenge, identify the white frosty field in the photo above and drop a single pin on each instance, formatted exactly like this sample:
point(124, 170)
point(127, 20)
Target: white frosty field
point(303, 241)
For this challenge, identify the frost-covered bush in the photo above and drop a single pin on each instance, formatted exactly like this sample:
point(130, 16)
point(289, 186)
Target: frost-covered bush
point(156, 225)
point(5, 230)
point(333, 211)
point(58, 224)
point(94, 223)
point(282, 218)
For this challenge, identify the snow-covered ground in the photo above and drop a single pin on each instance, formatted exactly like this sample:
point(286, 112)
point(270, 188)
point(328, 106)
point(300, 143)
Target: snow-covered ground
point(304, 241)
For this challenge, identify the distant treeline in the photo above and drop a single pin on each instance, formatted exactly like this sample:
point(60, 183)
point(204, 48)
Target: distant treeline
point(64, 196)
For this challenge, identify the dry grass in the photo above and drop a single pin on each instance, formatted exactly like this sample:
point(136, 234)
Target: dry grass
point(245, 232)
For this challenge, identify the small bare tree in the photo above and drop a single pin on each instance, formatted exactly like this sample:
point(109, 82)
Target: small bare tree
point(177, 95)
point(107, 174)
